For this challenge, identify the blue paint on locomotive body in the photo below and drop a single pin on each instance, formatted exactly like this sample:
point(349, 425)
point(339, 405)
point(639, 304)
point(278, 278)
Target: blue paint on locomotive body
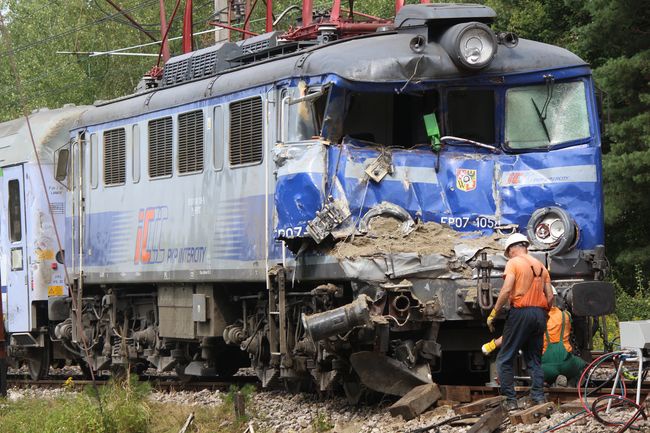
point(506, 189)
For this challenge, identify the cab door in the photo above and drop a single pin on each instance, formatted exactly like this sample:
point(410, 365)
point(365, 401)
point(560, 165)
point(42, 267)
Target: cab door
point(15, 246)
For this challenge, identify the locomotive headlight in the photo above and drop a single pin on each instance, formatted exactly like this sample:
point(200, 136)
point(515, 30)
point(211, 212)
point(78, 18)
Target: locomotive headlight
point(470, 45)
point(552, 229)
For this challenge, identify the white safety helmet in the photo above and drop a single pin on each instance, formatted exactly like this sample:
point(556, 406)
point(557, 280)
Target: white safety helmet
point(516, 238)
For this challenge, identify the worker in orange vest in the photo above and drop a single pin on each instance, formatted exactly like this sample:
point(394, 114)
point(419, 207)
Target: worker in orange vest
point(559, 364)
point(527, 289)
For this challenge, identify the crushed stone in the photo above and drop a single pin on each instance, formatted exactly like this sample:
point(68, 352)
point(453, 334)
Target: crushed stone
point(283, 412)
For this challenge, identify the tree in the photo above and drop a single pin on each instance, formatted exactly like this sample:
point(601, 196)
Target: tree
point(41, 29)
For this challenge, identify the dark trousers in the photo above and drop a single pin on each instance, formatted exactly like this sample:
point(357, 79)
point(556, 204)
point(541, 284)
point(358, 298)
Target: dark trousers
point(524, 329)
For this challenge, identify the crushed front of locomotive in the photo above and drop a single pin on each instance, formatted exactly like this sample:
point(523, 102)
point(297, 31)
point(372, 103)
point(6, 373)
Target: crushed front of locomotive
point(399, 208)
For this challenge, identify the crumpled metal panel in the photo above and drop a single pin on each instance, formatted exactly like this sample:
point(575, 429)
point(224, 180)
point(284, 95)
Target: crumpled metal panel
point(300, 187)
point(568, 178)
point(398, 265)
point(471, 192)
point(413, 185)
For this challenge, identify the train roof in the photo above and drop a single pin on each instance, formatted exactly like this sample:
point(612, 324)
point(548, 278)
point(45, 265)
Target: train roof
point(51, 129)
point(377, 58)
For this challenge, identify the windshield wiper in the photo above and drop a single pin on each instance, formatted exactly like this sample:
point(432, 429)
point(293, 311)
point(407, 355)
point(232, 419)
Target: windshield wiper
point(468, 141)
point(541, 114)
point(542, 120)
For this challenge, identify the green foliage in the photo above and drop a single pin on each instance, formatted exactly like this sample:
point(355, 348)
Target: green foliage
point(633, 303)
point(228, 408)
point(549, 21)
point(123, 410)
point(247, 391)
point(321, 422)
point(38, 30)
point(627, 165)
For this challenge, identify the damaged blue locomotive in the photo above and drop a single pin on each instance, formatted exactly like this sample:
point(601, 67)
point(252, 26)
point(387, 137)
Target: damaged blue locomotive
point(329, 212)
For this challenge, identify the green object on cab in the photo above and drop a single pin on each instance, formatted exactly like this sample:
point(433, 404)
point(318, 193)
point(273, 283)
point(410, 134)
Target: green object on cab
point(433, 131)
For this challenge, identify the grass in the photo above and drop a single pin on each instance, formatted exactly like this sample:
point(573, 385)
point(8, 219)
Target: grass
point(124, 409)
point(321, 423)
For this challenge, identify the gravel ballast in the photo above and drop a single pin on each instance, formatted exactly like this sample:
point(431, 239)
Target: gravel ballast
point(278, 411)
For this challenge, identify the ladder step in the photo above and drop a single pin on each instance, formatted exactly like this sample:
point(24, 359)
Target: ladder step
point(276, 353)
point(274, 312)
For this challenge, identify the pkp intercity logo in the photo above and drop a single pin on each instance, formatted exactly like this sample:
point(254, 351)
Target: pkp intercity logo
point(147, 242)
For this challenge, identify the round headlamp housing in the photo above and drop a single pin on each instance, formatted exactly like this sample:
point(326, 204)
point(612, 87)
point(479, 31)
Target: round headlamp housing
point(470, 45)
point(552, 229)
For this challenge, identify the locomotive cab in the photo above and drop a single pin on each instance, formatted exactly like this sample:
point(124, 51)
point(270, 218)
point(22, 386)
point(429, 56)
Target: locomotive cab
point(450, 157)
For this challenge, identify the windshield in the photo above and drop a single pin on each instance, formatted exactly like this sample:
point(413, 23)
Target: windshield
point(546, 115)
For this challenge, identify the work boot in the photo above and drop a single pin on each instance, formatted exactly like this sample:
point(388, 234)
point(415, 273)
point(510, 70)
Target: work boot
point(510, 405)
point(489, 347)
point(561, 381)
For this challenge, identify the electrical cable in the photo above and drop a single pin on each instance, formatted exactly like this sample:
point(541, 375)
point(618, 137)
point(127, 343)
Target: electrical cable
point(565, 422)
point(621, 402)
point(590, 369)
point(39, 77)
point(436, 426)
point(596, 407)
point(72, 30)
point(151, 26)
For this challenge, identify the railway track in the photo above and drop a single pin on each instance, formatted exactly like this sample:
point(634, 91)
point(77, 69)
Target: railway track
point(473, 392)
point(162, 384)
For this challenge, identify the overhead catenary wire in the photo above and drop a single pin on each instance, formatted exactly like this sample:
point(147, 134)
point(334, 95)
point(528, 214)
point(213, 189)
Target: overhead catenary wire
point(117, 19)
point(51, 72)
point(70, 31)
point(134, 47)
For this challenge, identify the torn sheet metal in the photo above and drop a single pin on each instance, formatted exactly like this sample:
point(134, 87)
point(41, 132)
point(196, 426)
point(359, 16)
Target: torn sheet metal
point(300, 187)
point(472, 191)
point(390, 210)
point(333, 215)
point(387, 375)
point(400, 265)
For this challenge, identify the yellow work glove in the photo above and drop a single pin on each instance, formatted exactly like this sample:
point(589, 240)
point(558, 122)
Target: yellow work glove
point(490, 320)
point(489, 347)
